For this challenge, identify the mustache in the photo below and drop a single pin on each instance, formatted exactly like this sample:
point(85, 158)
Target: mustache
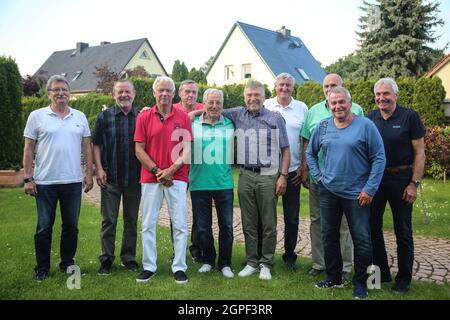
point(382, 100)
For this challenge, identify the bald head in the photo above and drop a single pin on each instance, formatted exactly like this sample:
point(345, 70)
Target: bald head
point(332, 80)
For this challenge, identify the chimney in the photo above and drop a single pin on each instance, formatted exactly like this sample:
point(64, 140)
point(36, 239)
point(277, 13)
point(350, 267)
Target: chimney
point(283, 32)
point(80, 47)
point(104, 42)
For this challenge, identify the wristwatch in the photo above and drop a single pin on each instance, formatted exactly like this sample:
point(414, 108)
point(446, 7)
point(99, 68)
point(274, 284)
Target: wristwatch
point(154, 169)
point(30, 179)
point(416, 183)
point(283, 174)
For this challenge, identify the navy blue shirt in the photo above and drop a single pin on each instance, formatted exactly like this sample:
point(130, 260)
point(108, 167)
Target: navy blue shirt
point(114, 133)
point(397, 132)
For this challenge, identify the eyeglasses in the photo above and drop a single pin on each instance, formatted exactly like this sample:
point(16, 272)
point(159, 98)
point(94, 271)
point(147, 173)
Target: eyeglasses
point(56, 90)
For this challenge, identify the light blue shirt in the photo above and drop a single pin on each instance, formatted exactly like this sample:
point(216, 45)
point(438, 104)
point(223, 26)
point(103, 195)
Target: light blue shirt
point(353, 157)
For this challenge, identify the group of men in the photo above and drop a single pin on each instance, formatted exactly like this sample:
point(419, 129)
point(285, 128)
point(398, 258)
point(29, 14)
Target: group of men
point(353, 165)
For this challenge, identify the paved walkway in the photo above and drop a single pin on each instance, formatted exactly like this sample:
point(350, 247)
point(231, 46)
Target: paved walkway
point(431, 261)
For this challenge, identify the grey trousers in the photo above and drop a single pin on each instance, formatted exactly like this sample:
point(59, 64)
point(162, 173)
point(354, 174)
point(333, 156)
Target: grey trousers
point(257, 198)
point(317, 251)
point(110, 202)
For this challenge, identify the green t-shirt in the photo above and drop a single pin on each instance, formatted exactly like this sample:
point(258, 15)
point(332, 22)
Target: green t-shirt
point(211, 155)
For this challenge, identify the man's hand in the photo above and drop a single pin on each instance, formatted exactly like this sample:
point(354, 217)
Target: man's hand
point(101, 178)
point(30, 188)
point(410, 194)
point(364, 199)
point(305, 177)
point(145, 109)
point(88, 183)
point(165, 177)
point(280, 187)
point(297, 179)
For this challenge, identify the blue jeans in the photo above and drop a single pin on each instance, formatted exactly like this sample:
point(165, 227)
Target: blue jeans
point(391, 190)
point(331, 209)
point(202, 208)
point(47, 197)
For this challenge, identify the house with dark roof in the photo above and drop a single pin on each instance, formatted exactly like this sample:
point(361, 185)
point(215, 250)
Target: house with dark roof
point(253, 52)
point(78, 65)
point(442, 70)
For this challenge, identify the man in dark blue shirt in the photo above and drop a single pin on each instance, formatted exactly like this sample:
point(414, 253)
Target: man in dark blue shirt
point(403, 137)
point(118, 172)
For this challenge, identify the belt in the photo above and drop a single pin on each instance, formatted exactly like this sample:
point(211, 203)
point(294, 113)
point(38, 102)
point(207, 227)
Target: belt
point(397, 169)
point(254, 169)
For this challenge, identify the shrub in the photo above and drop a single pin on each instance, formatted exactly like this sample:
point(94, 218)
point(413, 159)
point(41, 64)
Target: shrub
point(310, 92)
point(11, 134)
point(437, 151)
point(427, 100)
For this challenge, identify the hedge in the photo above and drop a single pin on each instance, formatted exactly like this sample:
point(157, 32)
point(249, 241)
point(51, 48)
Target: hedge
point(11, 133)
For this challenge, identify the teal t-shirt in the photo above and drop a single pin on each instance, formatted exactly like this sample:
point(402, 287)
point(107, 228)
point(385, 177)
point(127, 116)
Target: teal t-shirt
point(211, 155)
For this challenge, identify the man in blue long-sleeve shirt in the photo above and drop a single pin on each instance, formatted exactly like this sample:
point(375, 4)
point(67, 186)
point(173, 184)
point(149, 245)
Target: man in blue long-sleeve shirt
point(353, 165)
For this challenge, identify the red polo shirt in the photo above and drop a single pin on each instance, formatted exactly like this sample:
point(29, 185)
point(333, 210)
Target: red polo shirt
point(198, 106)
point(158, 134)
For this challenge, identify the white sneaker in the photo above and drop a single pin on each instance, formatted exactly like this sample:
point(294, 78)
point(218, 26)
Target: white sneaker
point(264, 274)
point(227, 273)
point(247, 271)
point(205, 268)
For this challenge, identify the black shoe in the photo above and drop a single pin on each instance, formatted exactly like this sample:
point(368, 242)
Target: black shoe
point(401, 287)
point(105, 269)
point(41, 275)
point(63, 268)
point(144, 276)
point(360, 292)
point(180, 277)
point(292, 266)
point(314, 272)
point(130, 265)
point(328, 283)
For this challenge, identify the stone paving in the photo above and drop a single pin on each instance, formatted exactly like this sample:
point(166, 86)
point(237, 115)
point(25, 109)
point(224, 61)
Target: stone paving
point(431, 261)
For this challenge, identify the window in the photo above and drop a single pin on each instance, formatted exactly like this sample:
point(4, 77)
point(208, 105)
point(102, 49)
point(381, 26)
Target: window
point(77, 75)
point(144, 55)
point(229, 73)
point(246, 71)
point(302, 73)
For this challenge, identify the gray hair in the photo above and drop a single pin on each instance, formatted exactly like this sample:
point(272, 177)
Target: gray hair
point(341, 81)
point(163, 79)
point(285, 75)
point(253, 84)
point(56, 78)
point(342, 90)
point(388, 81)
point(123, 81)
point(212, 91)
point(187, 81)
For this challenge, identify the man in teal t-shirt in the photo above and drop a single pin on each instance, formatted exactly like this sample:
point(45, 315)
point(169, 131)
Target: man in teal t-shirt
point(317, 113)
point(210, 178)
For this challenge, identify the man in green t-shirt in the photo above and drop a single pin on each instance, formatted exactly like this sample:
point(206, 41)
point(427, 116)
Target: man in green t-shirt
point(317, 113)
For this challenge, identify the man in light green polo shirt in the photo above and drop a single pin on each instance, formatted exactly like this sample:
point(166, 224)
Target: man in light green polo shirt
point(210, 178)
point(317, 113)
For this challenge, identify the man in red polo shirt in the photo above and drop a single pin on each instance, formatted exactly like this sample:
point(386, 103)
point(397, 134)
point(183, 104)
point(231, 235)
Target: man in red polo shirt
point(163, 136)
point(188, 93)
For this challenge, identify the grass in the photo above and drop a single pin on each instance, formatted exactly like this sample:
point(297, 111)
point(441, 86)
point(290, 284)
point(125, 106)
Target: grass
point(431, 213)
point(18, 219)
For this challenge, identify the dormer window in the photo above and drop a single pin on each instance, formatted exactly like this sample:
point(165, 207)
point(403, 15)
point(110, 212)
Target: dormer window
point(77, 75)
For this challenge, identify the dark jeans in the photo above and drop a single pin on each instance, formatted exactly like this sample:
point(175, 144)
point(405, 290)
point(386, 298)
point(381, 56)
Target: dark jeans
point(110, 203)
point(391, 190)
point(47, 197)
point(291, 209)
point(202, 206)
point(331, 209)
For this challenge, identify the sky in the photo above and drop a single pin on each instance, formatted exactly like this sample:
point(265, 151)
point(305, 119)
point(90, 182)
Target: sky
point(188, 30)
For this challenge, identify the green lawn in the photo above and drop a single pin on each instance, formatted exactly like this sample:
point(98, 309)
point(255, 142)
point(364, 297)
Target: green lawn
point(431, 214)
point(18, 219)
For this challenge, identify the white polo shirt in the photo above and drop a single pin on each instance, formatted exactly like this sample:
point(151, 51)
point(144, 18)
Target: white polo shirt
point(58, 145)
point(294, 114)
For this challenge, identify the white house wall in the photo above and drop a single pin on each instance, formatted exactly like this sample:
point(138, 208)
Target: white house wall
point(238, 51)
point(151, 65)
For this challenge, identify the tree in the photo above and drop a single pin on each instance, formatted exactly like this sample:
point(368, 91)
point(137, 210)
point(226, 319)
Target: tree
point(346, 66)
point(138, 72)
point(35, 85)
point(179, 71)
point(11, 134)
point(198, 76)
point(107, 77)
point(394, 38)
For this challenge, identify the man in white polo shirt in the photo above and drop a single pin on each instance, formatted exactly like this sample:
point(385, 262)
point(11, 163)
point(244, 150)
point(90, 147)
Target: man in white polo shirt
point(55, 136)
point(294, 113)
